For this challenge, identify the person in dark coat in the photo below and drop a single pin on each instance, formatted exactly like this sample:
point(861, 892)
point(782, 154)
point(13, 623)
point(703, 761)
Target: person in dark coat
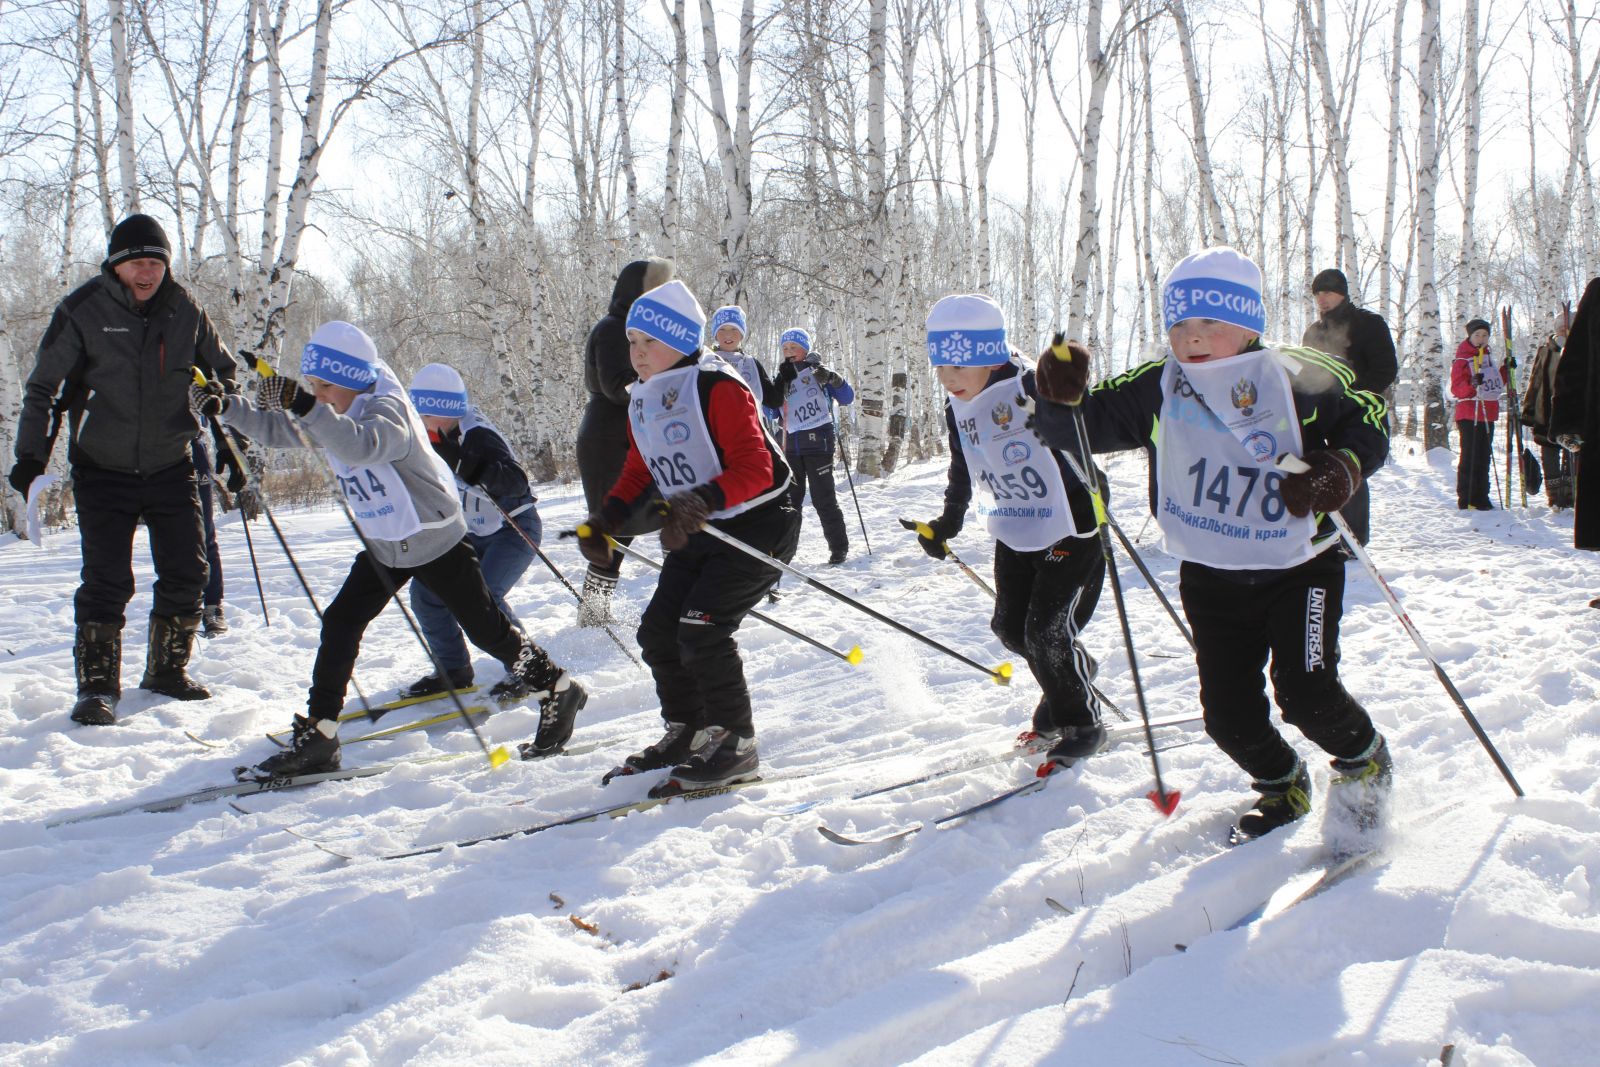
point(1538, 391)
point(117, 359)
point(1362, 338)
point(1575, 417)
point(603, 431)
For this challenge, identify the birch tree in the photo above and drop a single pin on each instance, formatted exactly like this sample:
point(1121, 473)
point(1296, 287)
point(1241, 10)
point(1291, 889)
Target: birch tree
point(673, 171)
point(1468, 276)
point(1432, 346)
point(874, 371)
point(733, 144)
point(1391, 161)
point(1212, 229)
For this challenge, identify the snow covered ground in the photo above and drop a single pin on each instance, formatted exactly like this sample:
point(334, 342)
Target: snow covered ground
point(725, 928)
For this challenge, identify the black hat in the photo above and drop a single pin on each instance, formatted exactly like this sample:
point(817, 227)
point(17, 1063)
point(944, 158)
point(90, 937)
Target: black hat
point(1330, 281)
point(139, 237)
point(1474, 325)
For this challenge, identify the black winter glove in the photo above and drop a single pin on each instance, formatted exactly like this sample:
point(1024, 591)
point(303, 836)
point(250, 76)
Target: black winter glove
point(1477, 379)
point(787, 372)
point(1063, 381)
point(279, 393)
point(824, 376)
point(228, 466)
point(23, 474)
point(686, 514)
point(207, 400)
point(942, 529)
point(448, 445)
point(1327, 486)
point(593, 544)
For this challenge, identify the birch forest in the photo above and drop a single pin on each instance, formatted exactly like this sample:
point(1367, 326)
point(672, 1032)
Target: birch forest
point(464, 178)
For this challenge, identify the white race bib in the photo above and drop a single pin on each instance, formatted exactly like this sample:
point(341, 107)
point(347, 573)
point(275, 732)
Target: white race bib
point(1223, 427)
point(806, 404)
point(383, 508)
point(669, 429)
point(1022, 497)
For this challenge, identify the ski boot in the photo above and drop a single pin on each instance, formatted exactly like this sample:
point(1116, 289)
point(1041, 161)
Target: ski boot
point(594, 605)
point(558, 710)
point(459, 678)
point(212, 622)
point(674, 747)
point(313, 749)
point(1075, 743)
point(1282, 801)
point(97, 655)
point(171, 641)
point(530, 674)
point(724, 759)
point(837, 556)
point(1358, 792)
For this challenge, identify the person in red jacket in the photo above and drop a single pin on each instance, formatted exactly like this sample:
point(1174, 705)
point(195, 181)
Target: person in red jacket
point(1477, 384)
point(698, 450)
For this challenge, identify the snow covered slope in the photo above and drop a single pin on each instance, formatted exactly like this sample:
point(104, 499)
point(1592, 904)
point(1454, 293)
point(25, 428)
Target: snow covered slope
point(728, 928)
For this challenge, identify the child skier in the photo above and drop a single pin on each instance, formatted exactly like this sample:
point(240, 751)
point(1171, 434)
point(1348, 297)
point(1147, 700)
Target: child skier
point(1477, 385)
point(696, 447)
point(1258, 578)
point(727, 337)
point(404, 500)
point(809, 393)
point(1048, 565)
point(491, 484)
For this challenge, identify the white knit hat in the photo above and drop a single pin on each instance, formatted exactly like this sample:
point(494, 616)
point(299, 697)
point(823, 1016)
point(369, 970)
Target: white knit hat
point(438, 390)
point(671, 315)
point(340, 354)
point(967, 330)
point(1219, 283)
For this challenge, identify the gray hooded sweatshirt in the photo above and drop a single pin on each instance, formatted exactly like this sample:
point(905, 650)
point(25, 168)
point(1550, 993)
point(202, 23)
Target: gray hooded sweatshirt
point(402, 494)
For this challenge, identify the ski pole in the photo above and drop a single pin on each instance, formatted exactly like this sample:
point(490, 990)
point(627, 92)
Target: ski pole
point(1165, 802)
point(853, 657)
point(496, 756)
point(562, 578)
point(244, 517)
point(1295, 464)
point(1001, 675)
point(922, 529)
point(1149, 578)
point(844, 457)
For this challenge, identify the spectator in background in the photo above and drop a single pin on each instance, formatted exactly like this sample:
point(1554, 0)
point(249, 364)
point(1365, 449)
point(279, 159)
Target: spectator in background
point(1362, 338)
point(1477, 383)
point(1538, 392)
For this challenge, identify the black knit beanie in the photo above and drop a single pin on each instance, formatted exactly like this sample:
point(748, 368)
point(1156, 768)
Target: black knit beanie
point(139, 237)
point(1330, 281)
point(1474, 325)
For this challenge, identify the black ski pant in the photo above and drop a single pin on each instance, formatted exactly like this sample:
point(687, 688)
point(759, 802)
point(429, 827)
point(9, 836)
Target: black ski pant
point(454, 578)
point(1292, 616)
point(815, 469)
point(1043, 600)
point(1472, 467)
point(705, 590)
point(110, 505)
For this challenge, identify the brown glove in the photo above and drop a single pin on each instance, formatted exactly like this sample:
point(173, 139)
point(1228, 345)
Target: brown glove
point(686, 513)
point(1063, 381)
point(593, 544)
point(1326, 487)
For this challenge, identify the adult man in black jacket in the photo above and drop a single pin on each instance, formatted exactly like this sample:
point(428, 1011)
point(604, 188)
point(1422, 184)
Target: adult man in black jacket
point(1575, 417)
point(1363, 339)
point(117, 359)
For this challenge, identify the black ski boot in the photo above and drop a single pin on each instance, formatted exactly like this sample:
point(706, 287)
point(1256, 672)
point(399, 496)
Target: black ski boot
point(171, 641)
point(558, 710)
point(594, 607)
point(838, 556)
point(212, 622)
point(673, 748)
point(459, 678)
point(1282, 801)
point(1358, 792)
point(313, 749)
point(724, 759)
point(97, 655)
point(1075, 743)
point(531, 674)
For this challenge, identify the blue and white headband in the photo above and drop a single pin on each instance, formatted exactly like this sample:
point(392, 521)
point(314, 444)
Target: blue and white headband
point(728, 315)
point(967, 330)
point(799, 337)
point(1218, 283)
point(671, 315)
point(438, 389)
point(340, 354)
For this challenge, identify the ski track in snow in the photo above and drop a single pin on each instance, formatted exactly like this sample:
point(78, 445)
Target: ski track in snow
point(209, 935)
